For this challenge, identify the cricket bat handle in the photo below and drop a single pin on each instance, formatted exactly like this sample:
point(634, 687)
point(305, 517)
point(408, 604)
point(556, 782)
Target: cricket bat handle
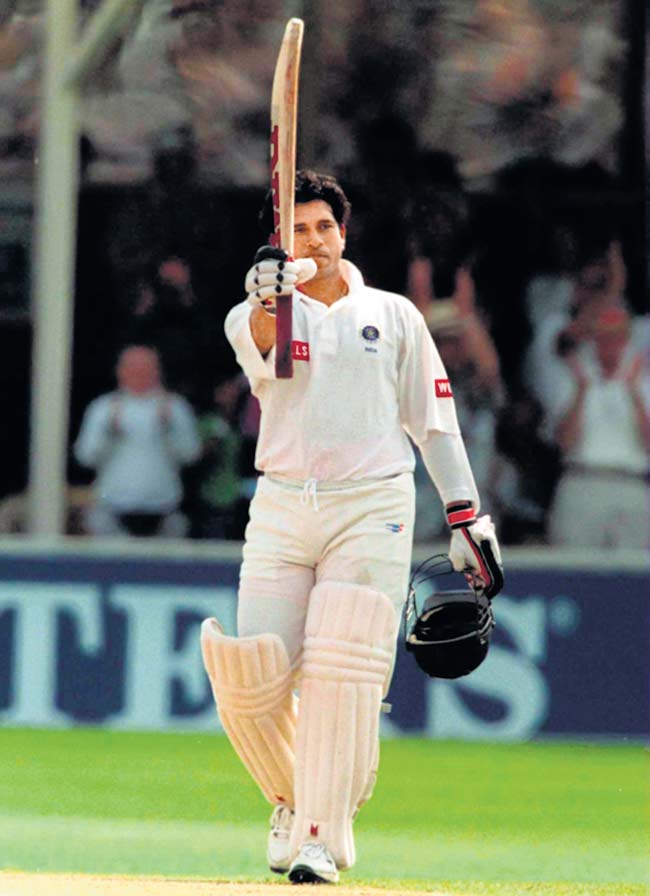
point(283, 321)
point(283, 329)
point(283, 318)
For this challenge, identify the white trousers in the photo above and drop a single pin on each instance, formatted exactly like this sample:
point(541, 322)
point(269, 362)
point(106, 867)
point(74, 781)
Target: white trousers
point(302, 534)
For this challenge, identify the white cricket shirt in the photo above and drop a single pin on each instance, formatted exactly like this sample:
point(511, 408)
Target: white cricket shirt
point(366, 372)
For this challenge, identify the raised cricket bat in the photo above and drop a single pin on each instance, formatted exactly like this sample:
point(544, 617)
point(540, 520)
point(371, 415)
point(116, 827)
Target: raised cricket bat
point(284, 126)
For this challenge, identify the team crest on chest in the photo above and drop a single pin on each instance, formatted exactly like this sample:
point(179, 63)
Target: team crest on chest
point(370, 333)
point(371, 337)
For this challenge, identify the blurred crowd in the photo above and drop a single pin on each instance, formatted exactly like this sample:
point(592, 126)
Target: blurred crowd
point(482, 188)
point(489, 81)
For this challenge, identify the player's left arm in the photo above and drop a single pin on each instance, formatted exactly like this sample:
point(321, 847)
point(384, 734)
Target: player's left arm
point(428, 414)
point(473, 548)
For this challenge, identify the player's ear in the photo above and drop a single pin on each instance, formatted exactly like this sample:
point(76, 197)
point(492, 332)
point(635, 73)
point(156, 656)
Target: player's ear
point(343, 232)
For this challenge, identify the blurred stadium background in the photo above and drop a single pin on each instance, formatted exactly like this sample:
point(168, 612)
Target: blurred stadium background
point(501, 138)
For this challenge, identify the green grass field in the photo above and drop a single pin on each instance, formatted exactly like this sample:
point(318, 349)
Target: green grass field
point(473, 818)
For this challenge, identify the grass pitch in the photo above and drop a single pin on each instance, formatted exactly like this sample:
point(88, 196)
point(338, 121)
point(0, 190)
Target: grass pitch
point(472, 818)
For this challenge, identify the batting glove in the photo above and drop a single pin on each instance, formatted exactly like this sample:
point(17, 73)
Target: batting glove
point(474, 549)
point(274, 274)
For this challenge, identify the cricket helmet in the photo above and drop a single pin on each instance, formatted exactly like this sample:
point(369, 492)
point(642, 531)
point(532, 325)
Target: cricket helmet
point(450, 636)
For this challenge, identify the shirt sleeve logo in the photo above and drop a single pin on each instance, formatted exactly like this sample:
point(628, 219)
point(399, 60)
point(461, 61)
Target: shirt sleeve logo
point(443, 389)
point(300, 350)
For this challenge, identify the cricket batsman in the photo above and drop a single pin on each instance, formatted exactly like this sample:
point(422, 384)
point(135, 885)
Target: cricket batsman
point(327, 550)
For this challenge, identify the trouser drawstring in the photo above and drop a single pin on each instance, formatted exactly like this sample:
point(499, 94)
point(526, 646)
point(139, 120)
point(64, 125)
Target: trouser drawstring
point(309, 491)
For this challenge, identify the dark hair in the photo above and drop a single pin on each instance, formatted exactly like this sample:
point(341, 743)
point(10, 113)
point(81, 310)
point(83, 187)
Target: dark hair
point(311, 186)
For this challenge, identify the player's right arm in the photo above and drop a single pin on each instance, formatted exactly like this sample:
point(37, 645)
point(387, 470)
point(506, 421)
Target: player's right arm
point(262, 327)
point(271, 275)
point(251, 331)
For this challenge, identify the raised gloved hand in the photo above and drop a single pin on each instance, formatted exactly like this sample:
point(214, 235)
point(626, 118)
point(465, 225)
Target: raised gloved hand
point(274, 274)
point(474, 548)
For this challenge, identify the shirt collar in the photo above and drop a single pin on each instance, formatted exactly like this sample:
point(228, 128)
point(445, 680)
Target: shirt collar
point(352, 276)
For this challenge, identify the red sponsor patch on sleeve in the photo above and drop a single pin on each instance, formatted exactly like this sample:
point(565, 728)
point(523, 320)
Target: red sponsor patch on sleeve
point(443, 389)
point(300, 350)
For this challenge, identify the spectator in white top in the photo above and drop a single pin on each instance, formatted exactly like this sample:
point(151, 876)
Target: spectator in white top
point(601, 417)
point(562, 315)
point(138, 438)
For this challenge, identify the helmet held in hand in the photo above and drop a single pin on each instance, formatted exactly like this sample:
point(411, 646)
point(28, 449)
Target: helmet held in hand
point(450, 636)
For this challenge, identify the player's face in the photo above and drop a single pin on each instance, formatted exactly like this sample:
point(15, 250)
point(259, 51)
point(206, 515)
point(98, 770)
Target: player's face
point(317, 235)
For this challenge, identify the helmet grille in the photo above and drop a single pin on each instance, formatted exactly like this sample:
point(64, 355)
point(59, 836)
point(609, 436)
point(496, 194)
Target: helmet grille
point(451, 635)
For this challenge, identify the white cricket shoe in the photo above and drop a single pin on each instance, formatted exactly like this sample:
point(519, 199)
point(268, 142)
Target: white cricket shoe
point(313, 865)
point(277, 850)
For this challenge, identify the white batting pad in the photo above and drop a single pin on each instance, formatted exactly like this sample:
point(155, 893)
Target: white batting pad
point(348, 651)
point(251, 682)
point(371, 780)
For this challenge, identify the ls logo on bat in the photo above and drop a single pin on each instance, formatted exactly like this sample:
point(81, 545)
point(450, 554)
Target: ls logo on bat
point(299, 350)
